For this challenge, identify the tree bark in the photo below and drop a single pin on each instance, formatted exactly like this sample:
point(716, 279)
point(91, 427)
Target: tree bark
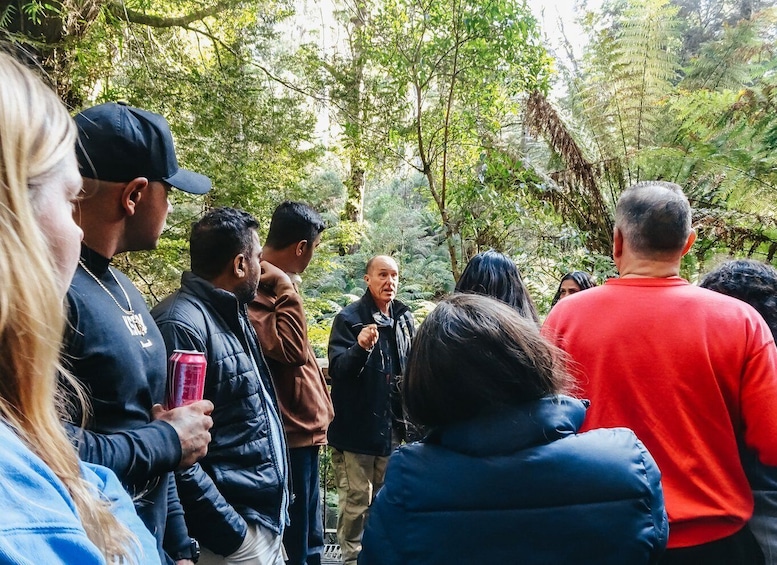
point(354, 207)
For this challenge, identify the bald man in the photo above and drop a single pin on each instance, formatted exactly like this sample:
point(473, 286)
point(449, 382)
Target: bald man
point(368, 350)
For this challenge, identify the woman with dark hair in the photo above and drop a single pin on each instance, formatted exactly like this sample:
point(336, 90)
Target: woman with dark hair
point(503, 476)
point(755, 283)
point(749, 281)
point(496, 275)
point(572, 283)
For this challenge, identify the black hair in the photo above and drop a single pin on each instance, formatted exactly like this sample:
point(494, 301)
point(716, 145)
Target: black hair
point(220, 236)
point(293, 222)
point(750, 281)
point(654, 217)
point(581, 279)
point(474, 354)
point(494, 274)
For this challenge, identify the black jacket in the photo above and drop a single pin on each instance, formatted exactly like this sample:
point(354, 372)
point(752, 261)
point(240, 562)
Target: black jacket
point(364, 383)
point(243, 478)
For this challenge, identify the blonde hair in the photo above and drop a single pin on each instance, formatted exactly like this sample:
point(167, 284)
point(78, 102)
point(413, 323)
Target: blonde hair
point(36, 135)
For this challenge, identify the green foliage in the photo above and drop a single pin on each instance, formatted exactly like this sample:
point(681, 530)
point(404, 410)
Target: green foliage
point(36, 11)
point(628, 76)
point(428, 158)
point(251, 137)
point(650, 103)
point(453, 70)
point(6, 14)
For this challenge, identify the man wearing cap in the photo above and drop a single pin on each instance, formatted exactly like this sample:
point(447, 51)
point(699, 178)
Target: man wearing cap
point(128, 164)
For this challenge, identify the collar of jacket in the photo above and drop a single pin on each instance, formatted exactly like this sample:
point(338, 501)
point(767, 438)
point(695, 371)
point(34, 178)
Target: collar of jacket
point(513, 428)
point(234, 314)
point(369, 306)
point(223, 301)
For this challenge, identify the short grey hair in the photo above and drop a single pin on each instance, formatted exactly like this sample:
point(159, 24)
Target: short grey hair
point(654, 218)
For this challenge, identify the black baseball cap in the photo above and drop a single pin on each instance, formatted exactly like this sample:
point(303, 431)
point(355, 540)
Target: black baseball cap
point(118, 143)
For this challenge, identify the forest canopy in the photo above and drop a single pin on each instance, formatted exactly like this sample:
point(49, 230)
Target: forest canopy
point(434, 129)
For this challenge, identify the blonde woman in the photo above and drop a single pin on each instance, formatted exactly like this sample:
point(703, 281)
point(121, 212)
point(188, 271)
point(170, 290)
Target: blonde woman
point(55, 509)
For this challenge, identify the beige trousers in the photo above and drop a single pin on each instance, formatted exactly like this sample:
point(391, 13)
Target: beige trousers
point(260, 547)
point(358, 478)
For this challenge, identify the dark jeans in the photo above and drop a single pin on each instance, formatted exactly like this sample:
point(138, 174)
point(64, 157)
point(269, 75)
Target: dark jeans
point(304, 538)
point(738, 549)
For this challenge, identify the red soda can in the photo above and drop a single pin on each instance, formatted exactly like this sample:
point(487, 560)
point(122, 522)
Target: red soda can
point(185, 378)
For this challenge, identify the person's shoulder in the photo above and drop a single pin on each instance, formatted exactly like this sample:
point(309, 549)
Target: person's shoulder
point(401, 309)
point(10, 440)
point(264, 300)
point(722, 305)
point(165, 306)
point(178, 307)
point(570, 308)
point(39, 522)
point(24, 469)
point(711, 296)
point(409, 461)
point(611, 452)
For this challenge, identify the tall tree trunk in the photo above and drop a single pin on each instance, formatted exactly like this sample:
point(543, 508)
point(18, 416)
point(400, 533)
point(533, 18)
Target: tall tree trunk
point(356, 115)
point(354, 201)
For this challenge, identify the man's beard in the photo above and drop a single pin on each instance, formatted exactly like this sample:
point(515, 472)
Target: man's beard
point(246, 292)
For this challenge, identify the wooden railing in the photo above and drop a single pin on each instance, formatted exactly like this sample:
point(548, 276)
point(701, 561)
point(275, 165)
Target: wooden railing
point(323, 362)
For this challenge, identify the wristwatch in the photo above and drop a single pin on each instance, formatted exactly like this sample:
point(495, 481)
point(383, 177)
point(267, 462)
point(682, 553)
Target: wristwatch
point(192, 553)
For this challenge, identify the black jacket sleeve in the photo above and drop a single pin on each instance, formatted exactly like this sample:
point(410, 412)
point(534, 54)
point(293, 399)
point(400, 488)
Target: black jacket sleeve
point(210, 518)
point(346, 356)
point(136, 456)
point(177, 538)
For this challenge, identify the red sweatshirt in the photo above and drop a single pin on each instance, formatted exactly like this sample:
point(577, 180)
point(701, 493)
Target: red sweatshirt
point(690, 371)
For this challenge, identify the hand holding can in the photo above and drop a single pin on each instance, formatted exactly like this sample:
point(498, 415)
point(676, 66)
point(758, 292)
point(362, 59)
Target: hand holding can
point(192, 424)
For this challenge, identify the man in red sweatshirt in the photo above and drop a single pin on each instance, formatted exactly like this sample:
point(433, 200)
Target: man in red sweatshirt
point(693, 373)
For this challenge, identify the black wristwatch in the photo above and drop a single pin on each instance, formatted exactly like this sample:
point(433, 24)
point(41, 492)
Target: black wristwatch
point(192, 553)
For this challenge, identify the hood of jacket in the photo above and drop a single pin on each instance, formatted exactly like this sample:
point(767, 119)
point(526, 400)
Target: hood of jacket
point(514, 428)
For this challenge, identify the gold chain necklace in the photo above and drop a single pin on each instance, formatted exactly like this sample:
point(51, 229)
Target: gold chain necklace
point(131, 311)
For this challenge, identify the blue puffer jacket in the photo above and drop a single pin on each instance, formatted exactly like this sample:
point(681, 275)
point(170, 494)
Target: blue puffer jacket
point(522, 487)
point(243, 478)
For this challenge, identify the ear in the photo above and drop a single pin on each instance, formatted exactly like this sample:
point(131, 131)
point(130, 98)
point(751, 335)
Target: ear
point(366, 278)
point(299, 249)
point(617, 243)
point(239, 266)
point(132, 193)
point(689, 243)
